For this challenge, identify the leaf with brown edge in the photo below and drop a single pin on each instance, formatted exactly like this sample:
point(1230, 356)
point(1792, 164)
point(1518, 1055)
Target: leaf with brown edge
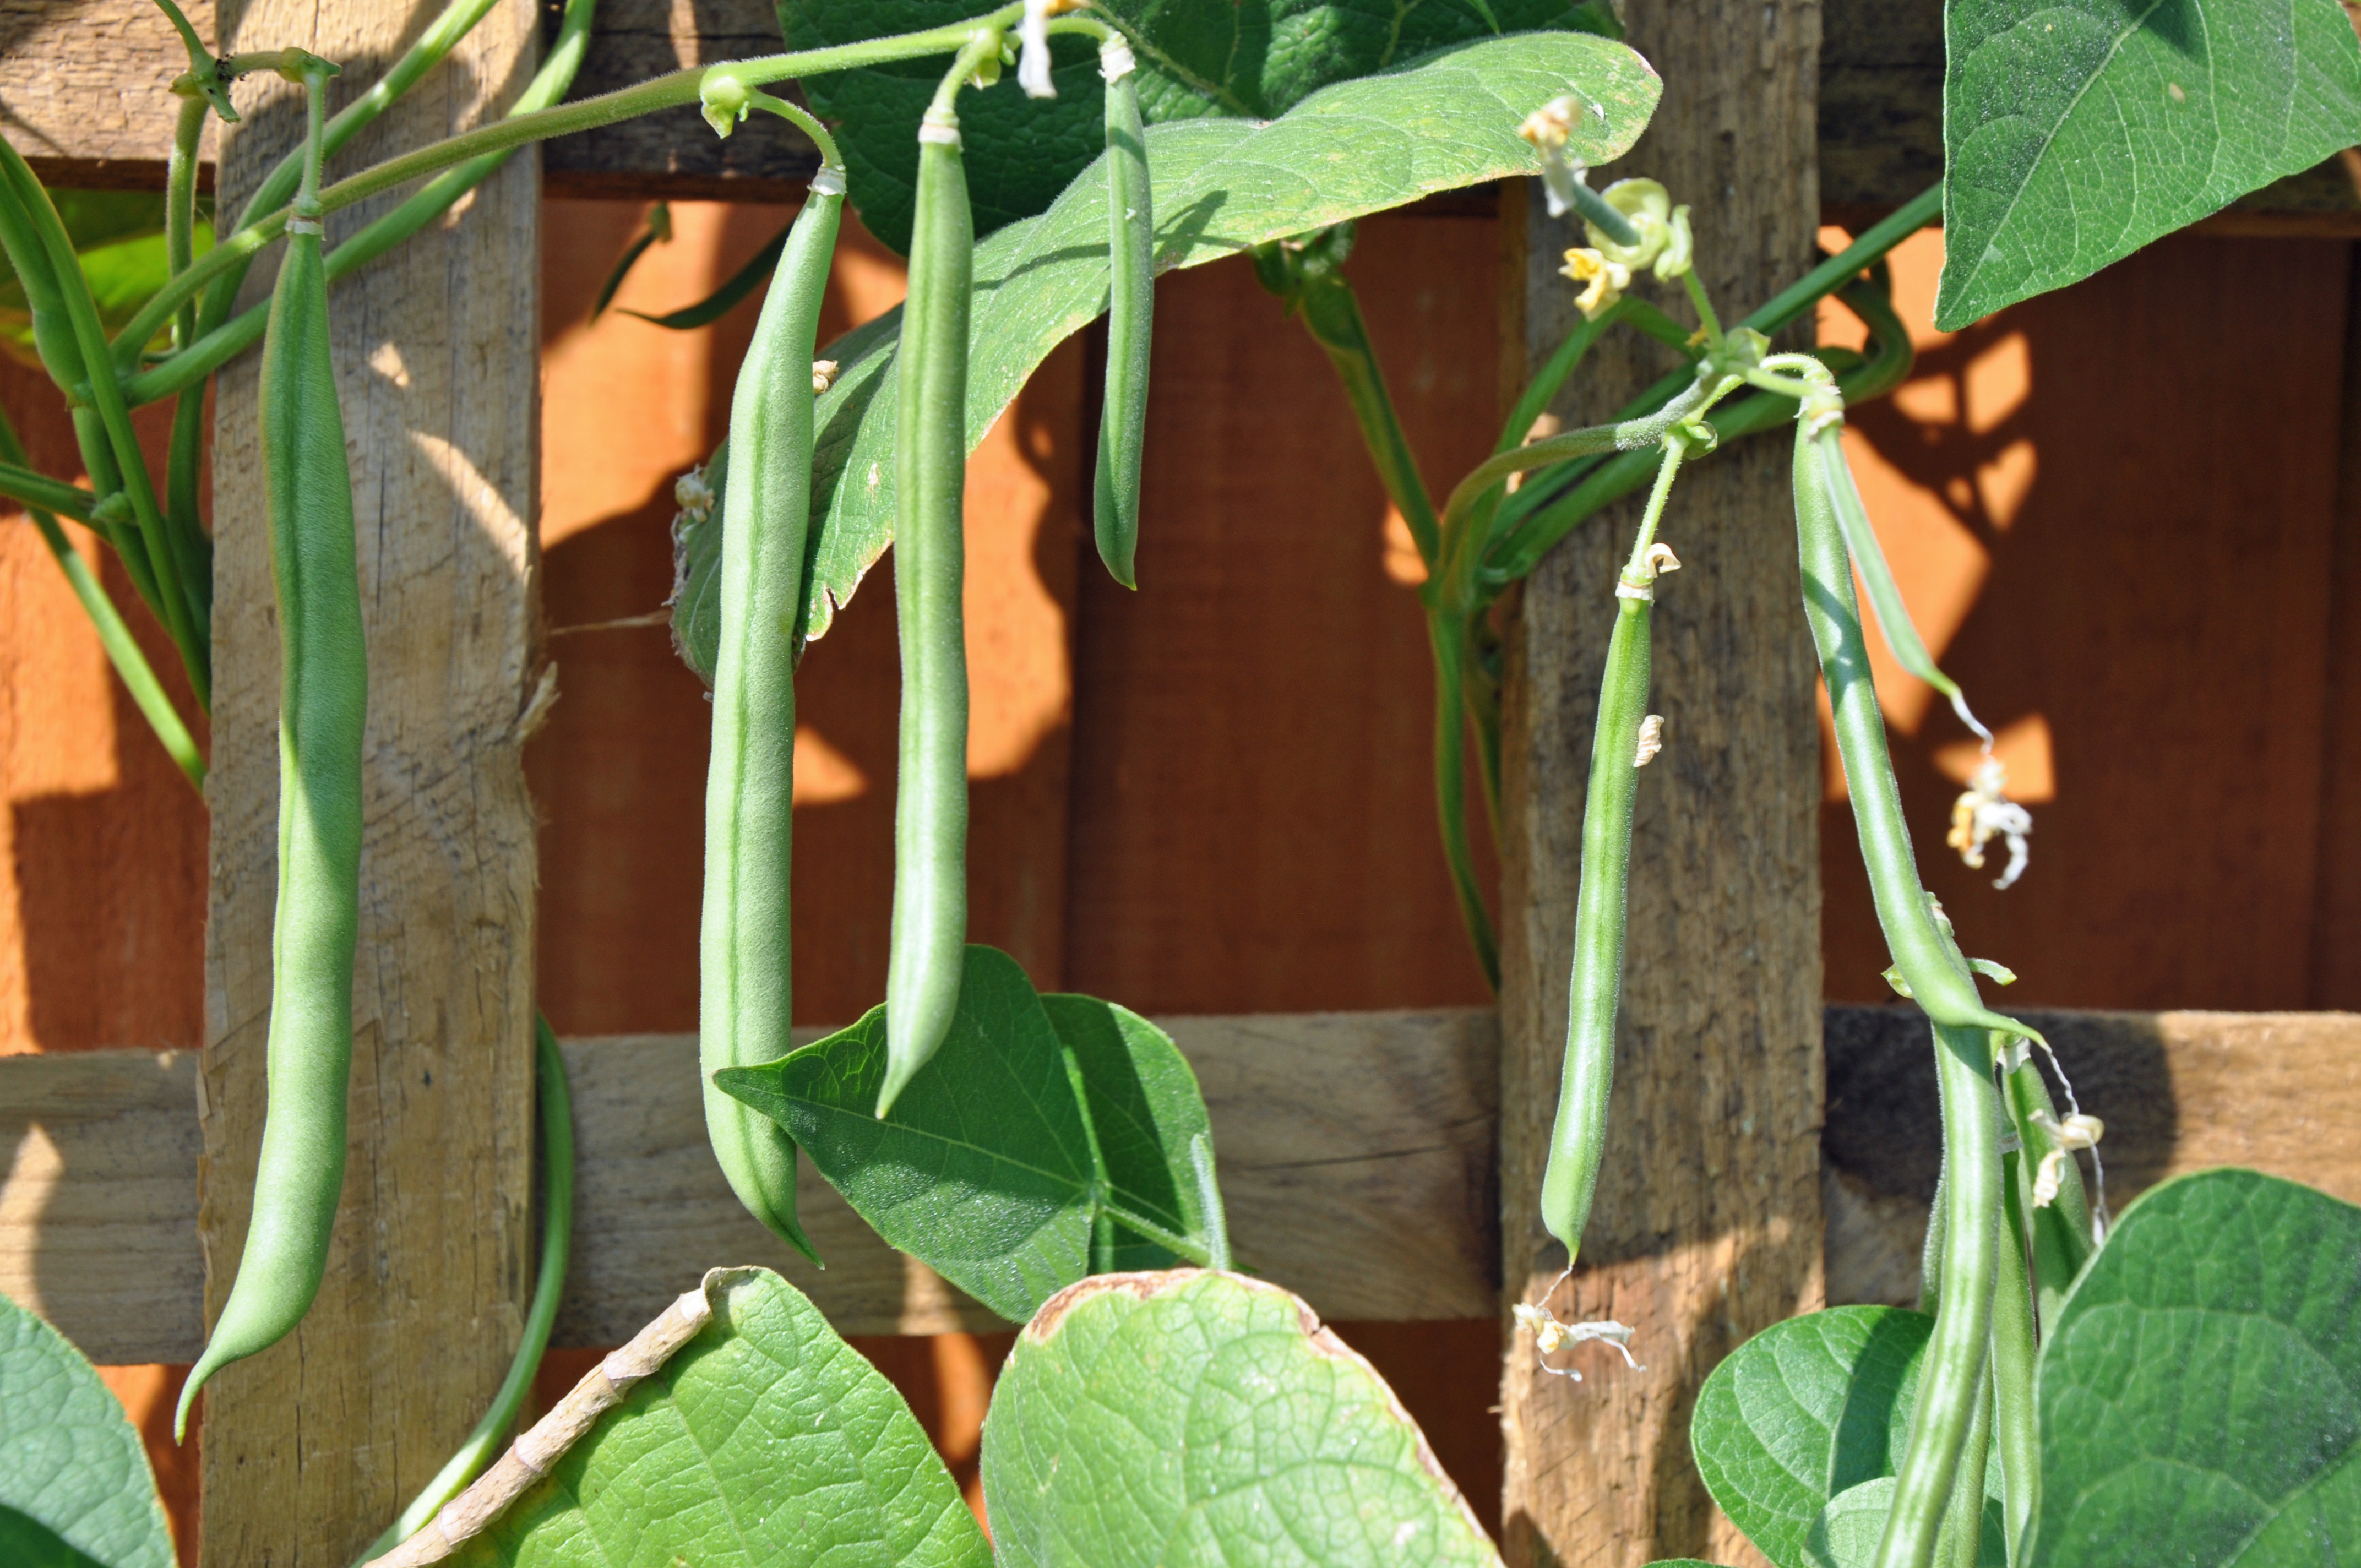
point(1189, 1417)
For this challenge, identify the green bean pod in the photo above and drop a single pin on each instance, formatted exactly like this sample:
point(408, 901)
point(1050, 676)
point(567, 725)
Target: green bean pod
point(929, 930)
point(1904, 913)
point(324, 691)
point(746, 997)
point(1955, 1382)
point(1131, 308)
point(1580, 1136)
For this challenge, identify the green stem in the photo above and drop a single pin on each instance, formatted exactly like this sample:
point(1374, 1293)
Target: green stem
point(1513, 553)
point(180, 210)
point(1781, 310)
point(1596, 209)
point(104, 395)
point(1562, 363)
point(677, 89)
point(441, 36)
point(2015, 1343)
point(1332, 314)
point(33, 488)
point(226, 341)
point(1446, 637)
point(1953, 1369)
point(183, 520)
point(1658, 325)
point(22, 484)
point(1704, 303)
point(794, 114)
point(480, 1445)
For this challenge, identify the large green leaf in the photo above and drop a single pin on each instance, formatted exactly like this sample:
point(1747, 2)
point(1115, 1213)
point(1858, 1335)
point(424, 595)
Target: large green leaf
point(2076, 131)
point(1147, 1117)
point(2200, 1397)
point(1222, 186)
point(765, 1442)
point(1197, 1419)
point(1197, 58)
point(986, 1169)
point(1803, 1413)
point(119, 235)
point(74, 1484)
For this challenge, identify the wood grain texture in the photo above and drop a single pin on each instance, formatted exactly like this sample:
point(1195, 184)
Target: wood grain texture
point(98, 1210)
point(1706, 1226)
point(1355, 1155)
point(2178, 1091)
point(311, 1445)
point(83, 82)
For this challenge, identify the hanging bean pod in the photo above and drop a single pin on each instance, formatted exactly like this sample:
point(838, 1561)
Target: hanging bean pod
point(746, 997)
point(1904, 911)
point(324, 692)
point(929, 930)
point(1622, 742)
point(1964, 1261)
point(1131, 306)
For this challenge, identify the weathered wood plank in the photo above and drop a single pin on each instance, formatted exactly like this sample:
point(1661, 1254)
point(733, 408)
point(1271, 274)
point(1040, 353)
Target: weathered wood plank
point(98, 1207)
point(1355, 1152)
point(311, 1446)
point(82, 83)
point(2180, 1092)
point(1707, 1223)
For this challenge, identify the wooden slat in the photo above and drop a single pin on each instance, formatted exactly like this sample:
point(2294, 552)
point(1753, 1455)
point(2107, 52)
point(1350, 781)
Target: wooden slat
point(98, 1215)
point(1355, 1154)
point(83, 81)
point(310, 1445)
point(1707, 1226)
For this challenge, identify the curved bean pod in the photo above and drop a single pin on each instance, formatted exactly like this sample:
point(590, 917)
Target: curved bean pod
point(1131, 307)
point(929, 932)
point(746, 997)
point(323, 694)
point(1904, 911)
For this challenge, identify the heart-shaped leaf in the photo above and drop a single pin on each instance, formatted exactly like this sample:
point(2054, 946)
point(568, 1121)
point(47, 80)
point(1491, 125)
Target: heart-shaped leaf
point(1221, 187)
point(2076, 131)
point(1191, 1419)
point(1802, 1413)
point(765, 1442)
point(2201, 1397)
point(1148, 1119)
point(1197, 58)
point(991, 1169)
point(75, 1489)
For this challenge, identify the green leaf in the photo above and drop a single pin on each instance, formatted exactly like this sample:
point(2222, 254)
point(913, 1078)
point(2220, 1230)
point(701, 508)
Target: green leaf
point(766, 1441)
point(2201, 1397)
point(1848, 1529)
point(696, 601)
point(1223, 186)
point(2077, 131)
point(723, 300)
point(1148, 1113)
point(1196, 1419)
point(986, 1169)
point(1197, 58)
point(74, 1484)
point(1803, 1413)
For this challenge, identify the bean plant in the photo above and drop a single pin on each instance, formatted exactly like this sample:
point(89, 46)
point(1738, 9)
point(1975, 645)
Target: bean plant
point(2179, 1386)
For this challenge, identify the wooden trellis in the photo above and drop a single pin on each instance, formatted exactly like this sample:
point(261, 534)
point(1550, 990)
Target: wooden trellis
point(1781, 109)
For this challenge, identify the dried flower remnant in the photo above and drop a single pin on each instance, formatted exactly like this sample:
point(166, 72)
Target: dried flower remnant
point(1982, 812)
